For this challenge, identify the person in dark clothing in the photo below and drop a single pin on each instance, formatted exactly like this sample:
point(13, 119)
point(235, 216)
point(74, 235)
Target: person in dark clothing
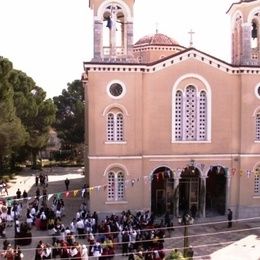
point(36, 180)
point(193, 211)
point(38, 193)
point(25, 194)
point(229, 217)
point(67, 183)
point(38, 251)
point(18, 194)
point(167, 219)
point(18, 255)
point(125, 242)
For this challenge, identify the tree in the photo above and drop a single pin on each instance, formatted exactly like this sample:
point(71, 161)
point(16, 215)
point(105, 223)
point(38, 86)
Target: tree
point(36, 113)
point(12, 132)
point(70, 115)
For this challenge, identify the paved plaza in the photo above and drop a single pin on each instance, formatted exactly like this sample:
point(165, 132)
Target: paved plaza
point(205, 236)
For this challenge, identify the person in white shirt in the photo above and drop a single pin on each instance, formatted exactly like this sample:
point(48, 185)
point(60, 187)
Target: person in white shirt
point(46, 252)
point(80, 228)
point(84, 252)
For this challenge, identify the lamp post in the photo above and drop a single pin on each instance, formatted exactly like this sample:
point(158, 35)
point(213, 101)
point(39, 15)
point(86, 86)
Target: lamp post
point(186, 220)
point(15, 225)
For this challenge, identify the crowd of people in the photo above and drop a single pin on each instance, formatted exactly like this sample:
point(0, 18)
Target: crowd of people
point(132, 235)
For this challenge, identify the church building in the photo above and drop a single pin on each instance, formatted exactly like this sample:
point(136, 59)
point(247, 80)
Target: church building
point(169, 127)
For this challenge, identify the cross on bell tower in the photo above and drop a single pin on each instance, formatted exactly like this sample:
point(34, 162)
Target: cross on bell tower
point(113, 30)
point(191, 37)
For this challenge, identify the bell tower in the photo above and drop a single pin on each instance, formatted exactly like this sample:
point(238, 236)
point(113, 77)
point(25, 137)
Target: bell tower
point(245, 27)
point(113, 30)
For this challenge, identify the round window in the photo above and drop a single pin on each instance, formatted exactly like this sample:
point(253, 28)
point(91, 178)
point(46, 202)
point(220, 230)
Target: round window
point(116, 89)
point(258, 91)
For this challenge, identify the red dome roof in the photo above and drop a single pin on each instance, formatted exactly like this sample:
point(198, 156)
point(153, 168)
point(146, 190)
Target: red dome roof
point(156, 39)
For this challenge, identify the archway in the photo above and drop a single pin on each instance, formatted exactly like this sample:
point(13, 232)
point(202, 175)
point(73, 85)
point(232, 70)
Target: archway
point(189, 191)
point(162, 191)
point(216, 191)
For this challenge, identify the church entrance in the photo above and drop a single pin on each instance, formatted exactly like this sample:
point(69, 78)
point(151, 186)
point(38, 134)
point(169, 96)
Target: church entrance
point(189, 191)
point(162, 191)
point(216, 192)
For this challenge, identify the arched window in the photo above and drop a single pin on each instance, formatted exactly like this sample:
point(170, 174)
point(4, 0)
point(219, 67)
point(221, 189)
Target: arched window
point(190, 115)
point(257, 126)
point(116, 186)
point(115, 126)
point(257, 181)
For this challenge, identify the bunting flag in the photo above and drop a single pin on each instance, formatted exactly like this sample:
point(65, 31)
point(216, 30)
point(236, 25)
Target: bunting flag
point(75, 192)
point(146, 179)
point(9, 202)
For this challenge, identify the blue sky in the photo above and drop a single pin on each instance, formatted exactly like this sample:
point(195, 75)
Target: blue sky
point(50, 39)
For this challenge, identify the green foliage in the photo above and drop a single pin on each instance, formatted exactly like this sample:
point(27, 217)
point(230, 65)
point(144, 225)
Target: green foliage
point(70, 114)
point(26, 116)
point(12, 132)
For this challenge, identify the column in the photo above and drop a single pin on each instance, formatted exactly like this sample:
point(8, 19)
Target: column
point(177, 176)
point(203, 196)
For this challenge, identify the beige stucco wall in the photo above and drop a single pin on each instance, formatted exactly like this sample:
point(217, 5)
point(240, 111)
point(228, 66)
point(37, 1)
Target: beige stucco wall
point(147, 103)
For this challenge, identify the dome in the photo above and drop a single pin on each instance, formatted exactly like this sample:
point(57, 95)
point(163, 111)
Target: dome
point(156, 39)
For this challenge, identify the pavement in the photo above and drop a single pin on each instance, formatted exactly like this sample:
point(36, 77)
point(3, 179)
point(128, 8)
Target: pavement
point(209, 237)
point(56, 177)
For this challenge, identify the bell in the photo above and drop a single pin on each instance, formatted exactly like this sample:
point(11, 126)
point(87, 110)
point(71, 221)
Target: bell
point(254, 31)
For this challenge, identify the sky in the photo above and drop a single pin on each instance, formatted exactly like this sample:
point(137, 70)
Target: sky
point(50, 39)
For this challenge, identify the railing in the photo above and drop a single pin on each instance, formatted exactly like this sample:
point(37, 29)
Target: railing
point(117, 51)
point(255, 55)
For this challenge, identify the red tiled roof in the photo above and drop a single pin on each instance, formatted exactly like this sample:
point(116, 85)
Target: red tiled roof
point(156, 39)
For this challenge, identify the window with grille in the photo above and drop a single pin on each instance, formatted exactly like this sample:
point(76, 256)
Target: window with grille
point(119, 127)
point(190, 115)
point(203, 116)
point(110, 127)
point(257, 182)
point(178, 115)
point(111, 186)
point(115, 127)
point(116, 186)
point(257, 127)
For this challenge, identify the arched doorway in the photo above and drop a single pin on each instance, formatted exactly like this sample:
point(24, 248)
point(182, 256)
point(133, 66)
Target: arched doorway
point(216, 191)
point(189, 190)
point(162, 191)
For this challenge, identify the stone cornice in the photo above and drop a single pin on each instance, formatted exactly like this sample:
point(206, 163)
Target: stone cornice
point(189, 54)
